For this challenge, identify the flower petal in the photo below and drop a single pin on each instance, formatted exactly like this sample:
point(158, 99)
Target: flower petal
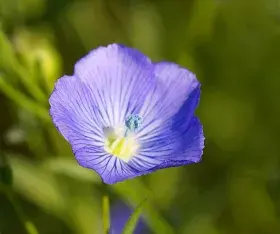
point(179, 91)
point(113, 170)
point(113, 82)
point(179, 84)
point(191, 141)
point(170, 125)
point(120, 79)
point(74, 113)
point(110, 168)
point(80, 122)
point(191, 149)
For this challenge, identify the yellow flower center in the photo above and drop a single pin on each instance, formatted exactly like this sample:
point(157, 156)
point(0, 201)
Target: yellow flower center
point(123, 147)
point(122, 143)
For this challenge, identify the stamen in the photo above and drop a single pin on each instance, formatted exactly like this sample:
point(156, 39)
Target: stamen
point(132, 123)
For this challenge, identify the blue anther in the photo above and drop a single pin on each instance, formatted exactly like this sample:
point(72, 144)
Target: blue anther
point(133, 123)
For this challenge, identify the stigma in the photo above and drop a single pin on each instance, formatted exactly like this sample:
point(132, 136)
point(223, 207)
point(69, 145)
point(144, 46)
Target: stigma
point(122, 143)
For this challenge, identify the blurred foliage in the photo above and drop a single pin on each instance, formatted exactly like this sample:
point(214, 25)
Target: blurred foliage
point(232, 46)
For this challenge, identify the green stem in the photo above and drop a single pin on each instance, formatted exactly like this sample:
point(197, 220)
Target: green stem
point(106, 214)
point(28, 225)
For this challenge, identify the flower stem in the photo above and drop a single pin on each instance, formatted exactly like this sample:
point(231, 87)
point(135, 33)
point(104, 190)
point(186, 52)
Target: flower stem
point(106, 214)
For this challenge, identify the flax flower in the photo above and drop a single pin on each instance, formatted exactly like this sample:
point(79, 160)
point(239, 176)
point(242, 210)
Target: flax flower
point(125, 116)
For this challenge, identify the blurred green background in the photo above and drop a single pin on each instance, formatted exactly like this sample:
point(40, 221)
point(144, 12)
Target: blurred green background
point(234, 48)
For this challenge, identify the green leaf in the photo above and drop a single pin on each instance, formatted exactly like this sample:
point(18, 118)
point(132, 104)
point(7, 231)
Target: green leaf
point(31, 229)
point(6, 173)
point(132, 221)
point(38, 185)
point(9, 63)
point(42, 186)
point(201, 24)
point(22, 100)
point(70, 167)
point(137, 191)
point(8, 57)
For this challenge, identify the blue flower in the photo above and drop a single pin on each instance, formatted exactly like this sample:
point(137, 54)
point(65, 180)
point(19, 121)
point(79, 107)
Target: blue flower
point(120, 214)
point(125, 116)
